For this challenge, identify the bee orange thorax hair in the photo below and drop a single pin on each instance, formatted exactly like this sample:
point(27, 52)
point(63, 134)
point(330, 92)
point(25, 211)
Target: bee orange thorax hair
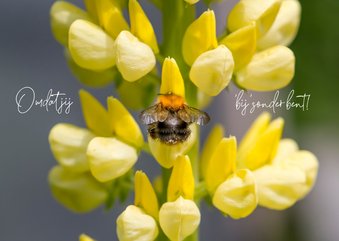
point(171, 101)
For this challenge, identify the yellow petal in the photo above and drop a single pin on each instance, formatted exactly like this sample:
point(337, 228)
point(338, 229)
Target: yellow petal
point(141, 27)
point(167, 154)
point(263, 12)
point(69, 144)
point(199, 37)
point(111, 17)
point(237, 196)
point(91, 7)
point(257, 128)
point(268, 70)
point(91, 78)
point(84, 237)
point(285, 26)
point(181, 182)
point(134, 225)
point(210, 144)
point(308, 163)
point(123, 123)
point(264, 147)
point(221, 163)
point(62, 15)
point(79, 192)
point(110, 158)
point(145, 196)
point(90, 47)
point(134, 59)
point(286, 148)
point(212, 71)
point(179, 219)
point(95, 115)
point(171, 79)
point(279, 186)
point(242, 44)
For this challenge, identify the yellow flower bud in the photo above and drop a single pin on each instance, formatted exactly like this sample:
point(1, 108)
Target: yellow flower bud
point(141, 27)
point(134, 225)
point(285, 26)
point(79, 192)
point(110, 158)
point(264, 146)
point(171, 79)
point(111, 17)
point(263, 12)
point(210, 144)
point(268, 70)
point(134, 59)
point(95, 115)
point(242, 43)
point(212, 71)
point(145, 196)
point(62, 15)
point(181, 182)
point(90, 47)
point(166, 154)
point(123, 123)
point(199, 37)
point(179, 219)
point(279, 186)
point(221, 163)
point(237, 196)
point(69, 144)
point(84, 237)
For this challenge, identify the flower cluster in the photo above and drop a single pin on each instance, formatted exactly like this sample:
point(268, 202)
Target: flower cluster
point(95, 164)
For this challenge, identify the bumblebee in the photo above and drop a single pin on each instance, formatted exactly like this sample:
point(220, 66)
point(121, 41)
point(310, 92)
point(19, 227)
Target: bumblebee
point(170, 118)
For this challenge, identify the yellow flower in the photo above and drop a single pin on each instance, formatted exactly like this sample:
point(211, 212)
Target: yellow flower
point(285, 26)
point(91, 37)
point(134, 225)
point(212, 70)
point(283, 173)
point(172, 82)
point(79, 192)
point(242, 43)
point(62, 15)
point(262, 12)
point(179, 217)
point(108, 149)
point(268, 70)
point(212, 66)
point(233, 191)
point(137, 222)
point(266, 25)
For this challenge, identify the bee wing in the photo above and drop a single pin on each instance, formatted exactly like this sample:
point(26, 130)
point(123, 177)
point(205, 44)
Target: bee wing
point(193, 115)
point(153, 114)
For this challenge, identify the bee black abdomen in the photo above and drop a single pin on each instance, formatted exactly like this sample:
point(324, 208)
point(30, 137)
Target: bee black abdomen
point(171, 131)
